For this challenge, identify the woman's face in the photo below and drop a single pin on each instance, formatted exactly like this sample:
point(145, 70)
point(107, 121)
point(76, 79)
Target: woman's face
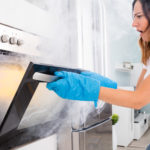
point(140, 22)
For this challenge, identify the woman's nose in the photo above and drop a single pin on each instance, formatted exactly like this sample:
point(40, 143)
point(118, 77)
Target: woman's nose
point(134, 23)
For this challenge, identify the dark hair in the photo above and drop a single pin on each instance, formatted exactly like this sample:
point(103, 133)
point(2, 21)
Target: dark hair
point(145, 6)
point(145, 46)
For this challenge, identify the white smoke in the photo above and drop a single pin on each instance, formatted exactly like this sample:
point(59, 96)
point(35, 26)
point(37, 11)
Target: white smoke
point(61, 45)
point(59, 49)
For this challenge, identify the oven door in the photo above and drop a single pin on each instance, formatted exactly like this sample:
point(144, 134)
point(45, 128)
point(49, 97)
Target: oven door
point(32, 111)
point(12, 69)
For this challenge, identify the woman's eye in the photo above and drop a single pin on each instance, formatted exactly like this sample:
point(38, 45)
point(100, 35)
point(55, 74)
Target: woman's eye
point(139, 16)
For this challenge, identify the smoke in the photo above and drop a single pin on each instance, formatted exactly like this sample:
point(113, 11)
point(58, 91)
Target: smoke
point(60, 46)
point(46, 106)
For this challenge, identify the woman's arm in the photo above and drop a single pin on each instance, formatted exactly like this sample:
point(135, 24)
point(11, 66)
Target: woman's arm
point(141, 77)
point(133, 99)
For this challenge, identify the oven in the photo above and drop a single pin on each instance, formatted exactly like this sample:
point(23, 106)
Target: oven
point(29, 112)
point(16, 51)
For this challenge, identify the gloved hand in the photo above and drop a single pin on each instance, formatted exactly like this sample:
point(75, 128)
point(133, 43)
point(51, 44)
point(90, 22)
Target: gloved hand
point(105, 82)
point(75, 87)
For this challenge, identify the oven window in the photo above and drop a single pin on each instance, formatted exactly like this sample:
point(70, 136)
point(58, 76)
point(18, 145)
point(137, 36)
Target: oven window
point(44, 106)
point(10, 78)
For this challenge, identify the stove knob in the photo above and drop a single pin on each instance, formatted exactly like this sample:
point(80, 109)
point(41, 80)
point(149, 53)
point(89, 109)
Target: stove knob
point(19, 42)
point(13, 40)
point(4, 38)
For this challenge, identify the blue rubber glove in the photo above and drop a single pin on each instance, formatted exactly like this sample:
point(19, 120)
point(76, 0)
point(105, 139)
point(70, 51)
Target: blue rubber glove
point(75, 87)
point(105, 82)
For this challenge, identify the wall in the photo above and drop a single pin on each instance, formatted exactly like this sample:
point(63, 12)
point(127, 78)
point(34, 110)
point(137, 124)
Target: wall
point(122, 42)
point(122, 39)
point(22, 15)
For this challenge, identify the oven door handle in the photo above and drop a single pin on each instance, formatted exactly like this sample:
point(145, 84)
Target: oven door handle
point(42, 77)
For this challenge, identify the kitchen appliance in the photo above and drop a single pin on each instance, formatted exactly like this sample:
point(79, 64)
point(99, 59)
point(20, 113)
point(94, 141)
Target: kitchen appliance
point(16, 50)
point(28, 109)
point(96, 132)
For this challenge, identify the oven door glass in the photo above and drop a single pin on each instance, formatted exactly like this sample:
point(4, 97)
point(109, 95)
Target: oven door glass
point(11, 75)
point(44, 106)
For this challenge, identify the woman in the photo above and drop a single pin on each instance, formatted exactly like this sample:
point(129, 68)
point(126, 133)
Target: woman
point(90, 86)
point(144, 40)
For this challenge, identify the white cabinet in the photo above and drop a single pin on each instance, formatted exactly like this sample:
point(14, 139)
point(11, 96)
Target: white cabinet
point(140, 125)
point(125, 126)
point(128, 127)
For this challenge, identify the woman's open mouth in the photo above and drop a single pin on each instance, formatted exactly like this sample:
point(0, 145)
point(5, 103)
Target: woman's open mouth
point(141, 32)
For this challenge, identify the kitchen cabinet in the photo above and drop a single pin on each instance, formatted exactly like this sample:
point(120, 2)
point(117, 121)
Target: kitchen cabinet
point(125, 126)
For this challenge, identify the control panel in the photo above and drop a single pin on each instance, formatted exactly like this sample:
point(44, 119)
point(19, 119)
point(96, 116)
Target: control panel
point(18, 41)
